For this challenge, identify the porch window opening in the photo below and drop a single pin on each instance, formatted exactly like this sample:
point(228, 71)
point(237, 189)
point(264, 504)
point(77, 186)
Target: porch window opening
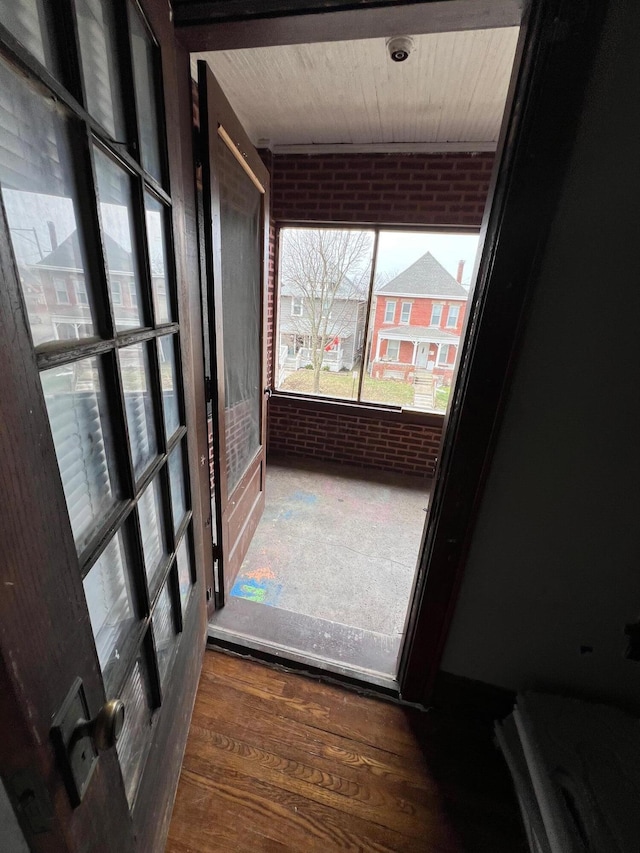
point(325, 281)
point(390, 338)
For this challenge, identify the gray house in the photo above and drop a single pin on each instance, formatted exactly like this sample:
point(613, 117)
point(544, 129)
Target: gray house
point(333, 325)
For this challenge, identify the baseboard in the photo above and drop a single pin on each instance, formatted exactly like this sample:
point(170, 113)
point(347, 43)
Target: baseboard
point(458, 695)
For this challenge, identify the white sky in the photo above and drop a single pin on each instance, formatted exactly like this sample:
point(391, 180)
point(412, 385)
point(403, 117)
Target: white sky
point(397, 250)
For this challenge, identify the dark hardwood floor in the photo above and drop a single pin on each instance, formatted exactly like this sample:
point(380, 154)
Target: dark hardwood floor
point(279, 762)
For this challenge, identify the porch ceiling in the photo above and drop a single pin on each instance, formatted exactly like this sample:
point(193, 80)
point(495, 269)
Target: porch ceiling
point(423, 334)
point(448, 95)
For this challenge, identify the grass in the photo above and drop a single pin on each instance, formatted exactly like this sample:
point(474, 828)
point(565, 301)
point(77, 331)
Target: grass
point(344, 385)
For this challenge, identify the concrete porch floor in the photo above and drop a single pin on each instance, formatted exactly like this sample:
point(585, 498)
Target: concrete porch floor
point(330, 570)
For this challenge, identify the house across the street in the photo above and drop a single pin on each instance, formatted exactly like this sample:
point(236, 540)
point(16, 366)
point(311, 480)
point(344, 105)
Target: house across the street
point(417, 321)
point(334, 323)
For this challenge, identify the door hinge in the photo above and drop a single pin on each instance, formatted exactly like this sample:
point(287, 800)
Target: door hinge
point(208, 389)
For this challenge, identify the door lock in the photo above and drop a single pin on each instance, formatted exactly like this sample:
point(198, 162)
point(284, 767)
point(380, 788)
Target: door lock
point(78, 738)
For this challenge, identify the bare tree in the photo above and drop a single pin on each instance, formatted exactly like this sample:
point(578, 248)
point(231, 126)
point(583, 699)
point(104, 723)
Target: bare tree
point(329, 270)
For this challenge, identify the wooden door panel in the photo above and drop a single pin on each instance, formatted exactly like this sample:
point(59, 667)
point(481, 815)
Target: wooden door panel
point(48, 628)
point(234, 181)
point(242, 517)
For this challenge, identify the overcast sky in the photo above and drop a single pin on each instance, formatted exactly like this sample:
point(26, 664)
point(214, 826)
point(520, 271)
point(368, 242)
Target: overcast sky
point(397, 250)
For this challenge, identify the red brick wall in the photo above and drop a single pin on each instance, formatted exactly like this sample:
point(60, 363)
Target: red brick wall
point(416, 189)
point(365, 442)
point(383, 189)
point(421, 312)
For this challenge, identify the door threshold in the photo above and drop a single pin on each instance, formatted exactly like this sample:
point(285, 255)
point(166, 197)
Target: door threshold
point(305, 663)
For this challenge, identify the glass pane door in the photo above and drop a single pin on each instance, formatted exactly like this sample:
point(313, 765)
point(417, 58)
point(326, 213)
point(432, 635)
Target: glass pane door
point(89, 225)
point(240, 222)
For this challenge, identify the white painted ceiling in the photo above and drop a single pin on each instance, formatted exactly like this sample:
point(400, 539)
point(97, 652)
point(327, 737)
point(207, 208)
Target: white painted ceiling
point(451, 89)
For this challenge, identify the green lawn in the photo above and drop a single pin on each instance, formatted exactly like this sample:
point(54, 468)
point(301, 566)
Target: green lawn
point(345, 386)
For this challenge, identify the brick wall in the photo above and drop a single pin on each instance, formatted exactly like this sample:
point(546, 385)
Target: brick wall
point(382, 189)
point(411, 189)
point(365, 442)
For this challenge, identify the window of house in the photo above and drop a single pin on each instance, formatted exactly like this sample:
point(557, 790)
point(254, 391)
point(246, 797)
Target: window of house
point(452, 316)
point(393, 350)
point(81, 293)
point(443, 354)
point(133, 295)
point(337, 347)
point(62, 293)
point(116, 292)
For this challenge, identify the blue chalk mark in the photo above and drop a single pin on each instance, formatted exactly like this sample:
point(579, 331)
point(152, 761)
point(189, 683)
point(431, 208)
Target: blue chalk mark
point(262, 591)
point(305, 497)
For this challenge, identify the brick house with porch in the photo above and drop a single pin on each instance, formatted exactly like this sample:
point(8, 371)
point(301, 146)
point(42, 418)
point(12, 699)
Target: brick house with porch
point(417, 322)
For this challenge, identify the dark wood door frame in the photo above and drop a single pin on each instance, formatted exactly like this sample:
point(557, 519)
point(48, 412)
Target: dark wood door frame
point(204, 25)
point(553, 59)
point(554, 56)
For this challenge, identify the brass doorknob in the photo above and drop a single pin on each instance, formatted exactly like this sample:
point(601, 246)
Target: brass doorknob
point(105, 728)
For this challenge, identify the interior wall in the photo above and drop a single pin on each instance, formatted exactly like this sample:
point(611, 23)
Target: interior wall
point(12, 839)
point(553, 572)
point(442, 190)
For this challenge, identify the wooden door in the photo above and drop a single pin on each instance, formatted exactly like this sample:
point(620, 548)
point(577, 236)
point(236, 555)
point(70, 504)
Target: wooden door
point(235, 225)
point(102, 597)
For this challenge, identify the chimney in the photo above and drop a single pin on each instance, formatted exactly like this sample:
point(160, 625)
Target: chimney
point(52, 235)
point(459, 273)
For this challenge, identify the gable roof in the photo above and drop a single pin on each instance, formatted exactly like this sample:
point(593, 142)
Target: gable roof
point(68, 256)
point(425, 277)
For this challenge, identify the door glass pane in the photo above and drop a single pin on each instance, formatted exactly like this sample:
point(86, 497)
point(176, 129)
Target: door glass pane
point(325, 275)
point(135, 736)
point(240, 220)
point(164, 631)
point(40, 197)
point(77, 407)
point(99, 56)
point(136, 385)
point(144, 72)
point(185, 575)
point(116, 215)
point(167, 356)
point(411, 360)
point(155, 215)
point(176, 476)
point(110, 599)
point(152, 529)
point(30, 22)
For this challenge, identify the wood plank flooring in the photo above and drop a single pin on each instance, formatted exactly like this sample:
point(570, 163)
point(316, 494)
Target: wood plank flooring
point(278, 762)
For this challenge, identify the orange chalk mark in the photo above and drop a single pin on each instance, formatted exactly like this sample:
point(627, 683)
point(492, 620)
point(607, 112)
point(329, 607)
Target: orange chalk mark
point(261, 574)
